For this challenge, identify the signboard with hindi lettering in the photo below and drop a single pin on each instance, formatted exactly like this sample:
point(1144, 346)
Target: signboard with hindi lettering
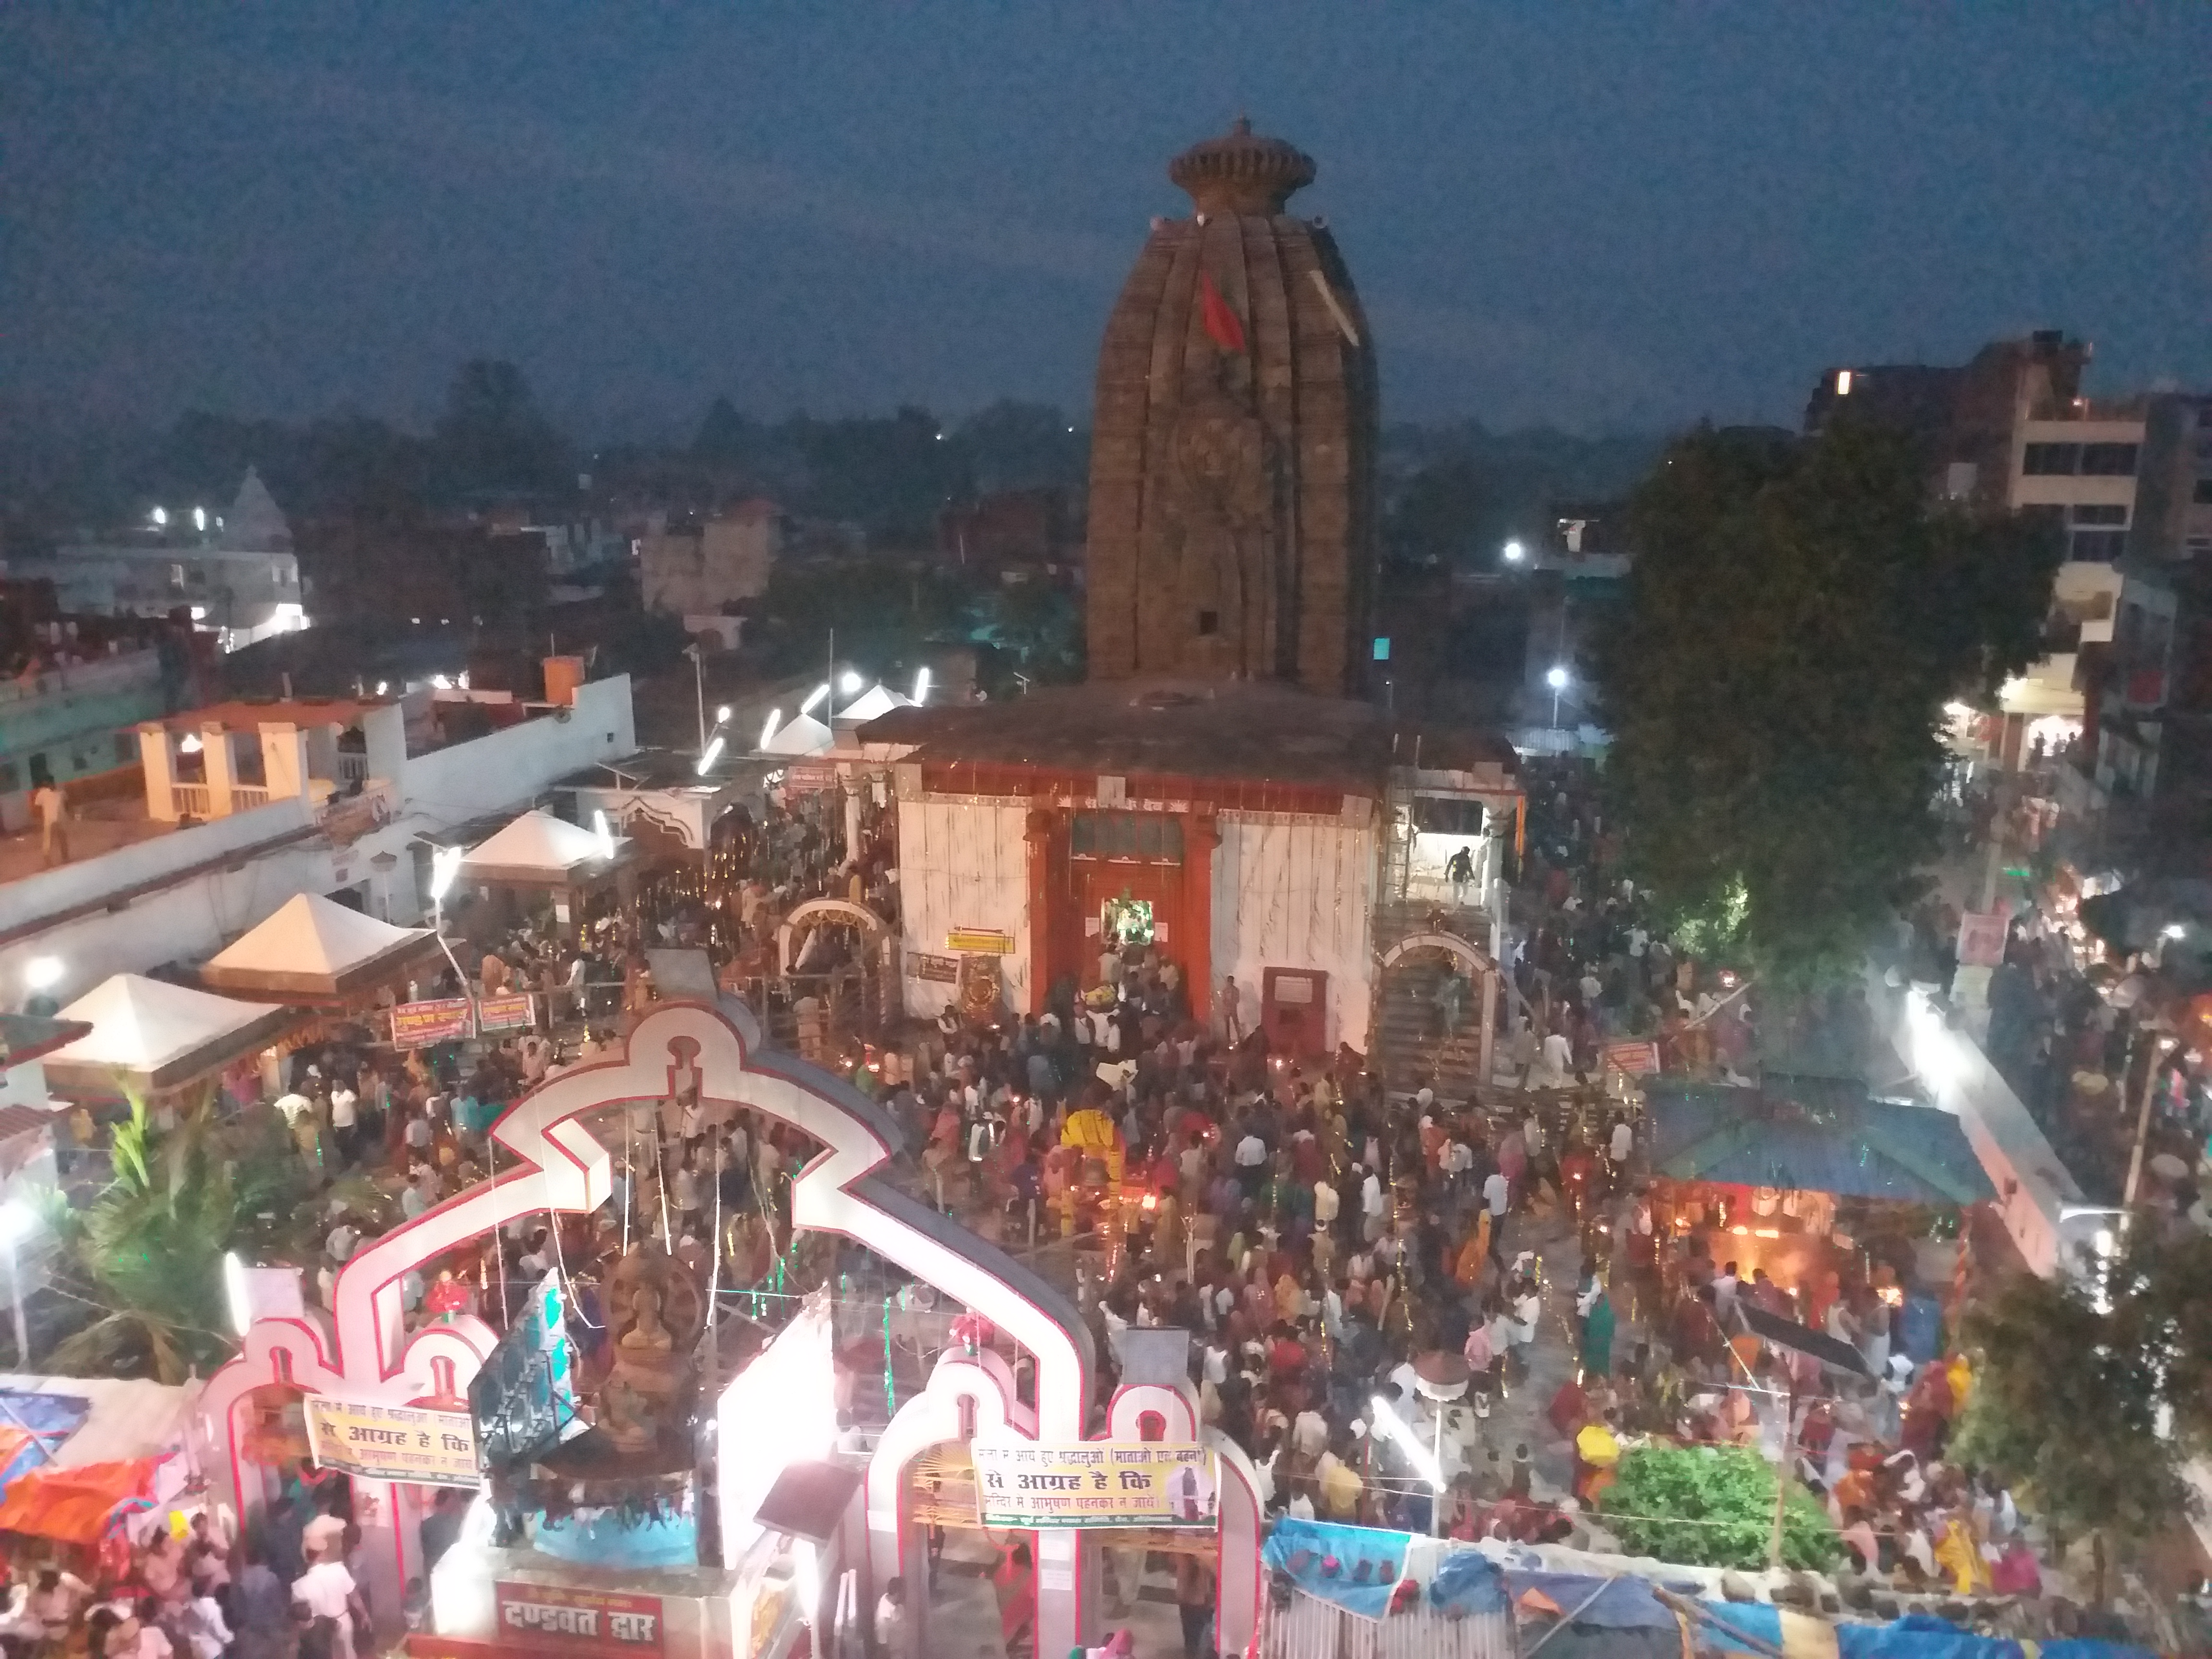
point(978, 942)
point(377, 1442)
point(1632, 1058)
point(1099, 1483)
point(944, 970)
point(559, 1618)
point(419, 1024)
point(504, 1013)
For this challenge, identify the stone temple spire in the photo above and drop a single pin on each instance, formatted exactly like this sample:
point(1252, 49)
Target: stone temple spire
point(1233, 441)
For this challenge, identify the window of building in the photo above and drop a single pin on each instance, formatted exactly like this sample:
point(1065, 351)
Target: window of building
point(2051, 460)
point(1209, 622)
point(2108, 461)
point(2099, 546)
point(1145, 838)
point(2085, 514)
point(11, 779)
point(176, 576)
point(2203, 496)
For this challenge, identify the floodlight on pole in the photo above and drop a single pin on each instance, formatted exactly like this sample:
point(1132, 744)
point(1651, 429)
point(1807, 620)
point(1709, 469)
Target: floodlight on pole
point(714, 753)
point(921, 686)
point(235, 1292)
point(767, 727)
point(1556, 678)
point(1388, 1425)
point(17, 1222)
point(605, 831)
point(43, 972)
point(852, 684)
point(814, 698)
point(1514, 552)
point(445, 865)
point(722, 715)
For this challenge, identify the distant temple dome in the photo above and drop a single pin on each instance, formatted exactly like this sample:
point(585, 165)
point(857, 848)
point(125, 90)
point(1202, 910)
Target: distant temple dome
point(1240, 172)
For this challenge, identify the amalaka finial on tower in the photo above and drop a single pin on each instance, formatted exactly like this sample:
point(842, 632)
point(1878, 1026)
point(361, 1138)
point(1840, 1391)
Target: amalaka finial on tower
point(1241, 173)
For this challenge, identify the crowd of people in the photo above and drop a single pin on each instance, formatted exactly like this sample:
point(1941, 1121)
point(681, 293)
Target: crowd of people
point(195, 1589)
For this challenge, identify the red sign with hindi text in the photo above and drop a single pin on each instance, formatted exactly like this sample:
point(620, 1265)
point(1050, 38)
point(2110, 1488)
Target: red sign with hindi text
point(562, 1618)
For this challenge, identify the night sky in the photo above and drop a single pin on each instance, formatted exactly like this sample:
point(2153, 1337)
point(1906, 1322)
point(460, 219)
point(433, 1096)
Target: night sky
point(1604, 216)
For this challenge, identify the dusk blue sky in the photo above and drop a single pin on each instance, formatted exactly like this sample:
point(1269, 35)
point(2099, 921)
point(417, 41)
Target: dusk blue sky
point(1604, 216)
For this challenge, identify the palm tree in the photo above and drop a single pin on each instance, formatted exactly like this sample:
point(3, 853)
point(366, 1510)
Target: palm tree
point(148, 1252)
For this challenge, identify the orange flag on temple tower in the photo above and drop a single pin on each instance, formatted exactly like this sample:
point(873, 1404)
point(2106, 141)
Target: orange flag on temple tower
point(1223, 325)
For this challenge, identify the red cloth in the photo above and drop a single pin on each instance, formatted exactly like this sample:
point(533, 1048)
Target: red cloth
point(1223, 325)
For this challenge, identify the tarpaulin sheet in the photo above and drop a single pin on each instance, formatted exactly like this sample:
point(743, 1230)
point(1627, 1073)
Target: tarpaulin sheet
point(1756, 1620)
point(1920, 1635)
point(49, 1417)
point(1467, 1581)
point(1626, 1604)
point(1319, 1542)
point(73, 1504)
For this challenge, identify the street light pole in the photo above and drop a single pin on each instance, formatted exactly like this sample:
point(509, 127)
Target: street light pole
point(2158, 1052)
point(16, 1295)
point(699, 687)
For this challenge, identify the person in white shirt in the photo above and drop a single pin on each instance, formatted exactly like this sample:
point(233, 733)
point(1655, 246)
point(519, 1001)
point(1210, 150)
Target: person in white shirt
point(326, 1591)
point(1497, 1193)
point(1624, 1142)
point(1372, 1205)
point(894, 1631)
point(342, 1121)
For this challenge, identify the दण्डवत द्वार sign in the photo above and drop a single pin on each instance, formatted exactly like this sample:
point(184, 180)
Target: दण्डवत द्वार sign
point(379, 1442)
point(556, 1616)
point(1099, 1483)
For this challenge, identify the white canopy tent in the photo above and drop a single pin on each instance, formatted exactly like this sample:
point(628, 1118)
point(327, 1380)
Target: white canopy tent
point(876, 699)
point(157, 1036)
point(802, 735)
point(538, 850)
point(315, 947)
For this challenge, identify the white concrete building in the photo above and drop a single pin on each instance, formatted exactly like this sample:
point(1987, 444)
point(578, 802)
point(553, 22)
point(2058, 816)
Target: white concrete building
point(327, 817)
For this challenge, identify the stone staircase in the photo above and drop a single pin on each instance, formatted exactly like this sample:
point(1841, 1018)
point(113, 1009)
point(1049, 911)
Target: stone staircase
point(1410, 1048)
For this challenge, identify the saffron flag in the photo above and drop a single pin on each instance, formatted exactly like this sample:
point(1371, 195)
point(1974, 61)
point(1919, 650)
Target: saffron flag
point(1223, 325)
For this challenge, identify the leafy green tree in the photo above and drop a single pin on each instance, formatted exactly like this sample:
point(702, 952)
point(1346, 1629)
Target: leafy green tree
point(1017, 446)
point(1798, 616)
point(1444, 514)
point(2092, 1391)
point(1713, 1506)
point(492, 438)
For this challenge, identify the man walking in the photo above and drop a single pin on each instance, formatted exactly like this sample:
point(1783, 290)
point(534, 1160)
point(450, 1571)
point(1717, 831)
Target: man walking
point(52, 808)
point(1459, 870)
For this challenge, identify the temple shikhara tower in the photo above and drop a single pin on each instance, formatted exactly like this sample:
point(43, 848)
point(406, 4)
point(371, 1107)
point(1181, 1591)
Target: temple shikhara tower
point(1232, 464)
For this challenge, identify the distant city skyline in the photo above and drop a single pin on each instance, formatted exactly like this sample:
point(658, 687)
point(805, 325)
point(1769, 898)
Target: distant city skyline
point(1617, 218)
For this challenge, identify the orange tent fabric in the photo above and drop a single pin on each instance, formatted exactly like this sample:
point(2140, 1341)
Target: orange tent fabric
point(12, 1442)
point(73, 1504)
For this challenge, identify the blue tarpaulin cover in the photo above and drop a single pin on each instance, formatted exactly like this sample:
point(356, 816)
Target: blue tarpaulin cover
point(1920, 1635)
point(1319, 1542)
point(1627, 1603)
point(1469, 1582)
point(1815, 1134)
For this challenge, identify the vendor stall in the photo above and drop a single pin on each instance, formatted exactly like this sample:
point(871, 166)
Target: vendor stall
point(1800, 1177)
point(152, 1038)
point(317, 952)
point(540, 856)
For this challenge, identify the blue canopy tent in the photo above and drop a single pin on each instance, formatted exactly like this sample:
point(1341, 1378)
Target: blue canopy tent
point(1810, 1134)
